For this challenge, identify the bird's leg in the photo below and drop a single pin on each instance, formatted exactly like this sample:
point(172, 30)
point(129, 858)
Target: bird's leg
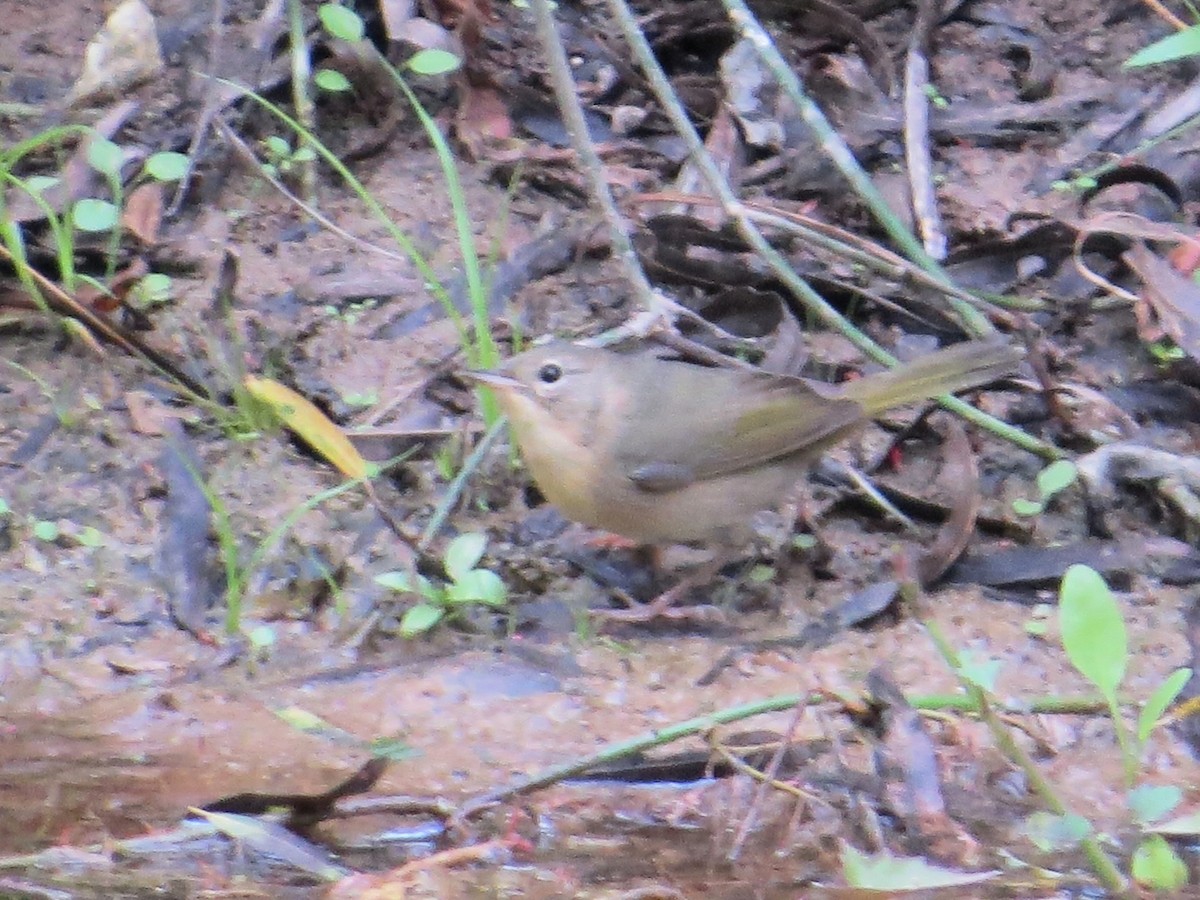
point(663, 606)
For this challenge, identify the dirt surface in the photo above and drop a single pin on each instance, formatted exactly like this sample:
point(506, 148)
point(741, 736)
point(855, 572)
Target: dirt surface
point(123, 701)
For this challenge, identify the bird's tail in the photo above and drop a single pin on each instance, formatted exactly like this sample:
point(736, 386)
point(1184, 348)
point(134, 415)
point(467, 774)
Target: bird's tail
point(947, 371)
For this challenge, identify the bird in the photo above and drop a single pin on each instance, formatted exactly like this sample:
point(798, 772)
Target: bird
point(666, 451)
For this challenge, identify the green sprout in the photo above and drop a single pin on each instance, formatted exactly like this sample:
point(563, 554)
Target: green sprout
point(468, 585)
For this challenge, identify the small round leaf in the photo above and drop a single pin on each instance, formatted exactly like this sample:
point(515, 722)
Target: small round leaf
point(167, 166)
point(1057, 476)
point(45, 530)
point(92, 214)
point(420, 619)
point(332, 80)
point(463, 553)
point(341, 22)
point(478, 586)
point(433, 62)
point(1023, 507)
point(104, 156)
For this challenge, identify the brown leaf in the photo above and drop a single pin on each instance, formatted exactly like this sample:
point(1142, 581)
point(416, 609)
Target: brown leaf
point(143, 211)
point(962, 473)
point(1169, 302)
point(482, 118)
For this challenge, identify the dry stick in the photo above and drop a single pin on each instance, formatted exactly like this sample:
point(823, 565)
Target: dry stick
point(736, 211)
point(208, 109)
point(838, 241)
point(841, 156)
point(701, 724)
point(1166, 14)
point(301, 98)
point(312, 212)
point(661, 310)
point(767, 780)
point(917, 152)
point(63, 304)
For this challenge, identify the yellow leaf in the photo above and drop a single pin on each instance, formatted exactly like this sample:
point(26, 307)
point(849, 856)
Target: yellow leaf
point(302, 417)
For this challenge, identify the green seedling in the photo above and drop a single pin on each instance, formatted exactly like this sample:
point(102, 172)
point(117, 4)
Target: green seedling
point(444, 461)
point(332, 80)
point(351, 312)
point(46, 530)
point(1094, 637)
point(1052, 480)
point(935, 97)
point(151, 290)
point(309, 723)
point(361, 398)
point(468, 585)
point(283, 160)
point(1165, 352)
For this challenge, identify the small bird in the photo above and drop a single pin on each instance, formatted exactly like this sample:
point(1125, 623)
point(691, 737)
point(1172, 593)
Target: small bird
point(664, 451)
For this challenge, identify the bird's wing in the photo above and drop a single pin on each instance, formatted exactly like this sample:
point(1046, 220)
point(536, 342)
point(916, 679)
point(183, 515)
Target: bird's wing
point(720, 423)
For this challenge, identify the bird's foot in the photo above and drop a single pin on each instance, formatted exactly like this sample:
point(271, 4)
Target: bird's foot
point(663, 607)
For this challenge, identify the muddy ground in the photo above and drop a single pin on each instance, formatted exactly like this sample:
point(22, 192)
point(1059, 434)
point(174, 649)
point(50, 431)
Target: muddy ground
point(123, 701)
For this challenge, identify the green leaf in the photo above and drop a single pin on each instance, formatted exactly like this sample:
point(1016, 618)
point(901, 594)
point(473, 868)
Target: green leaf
point(104, 156)
point(884, 872)
point(1150, 802)
point(91, 537)
point(761, 574)
point(153, 289)
point(166, 166)
point(420, 618)
point(478, 586)
point(1050, 832)
point(45, 530)
point(1093, 632)
point(396, 581)
point(341, 22)
point(1057, 476)
point(92, 214)
point(1163, 697)
point(1156, 865)
point(979, 671)
point(302, 720)
point(463, 553)
point(1188, 825)
point(262, 637)
point(391, 748)
point(277, 146)
point(433, 62)
point(1174, 46)
point(1023, 507)
point(39, 184)
point(332, 80)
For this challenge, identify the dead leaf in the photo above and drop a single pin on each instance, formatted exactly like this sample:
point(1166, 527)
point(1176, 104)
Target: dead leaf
point(1169, 303)
point(482, 118)
point(302, 417)
point(142, 216)
point(961, 472)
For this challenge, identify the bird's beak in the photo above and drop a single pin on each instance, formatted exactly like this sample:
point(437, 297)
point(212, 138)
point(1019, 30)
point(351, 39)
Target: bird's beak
point(493, 379)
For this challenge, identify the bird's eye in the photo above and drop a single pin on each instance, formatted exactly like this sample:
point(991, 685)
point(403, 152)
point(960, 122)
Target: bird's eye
point(549, 373)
